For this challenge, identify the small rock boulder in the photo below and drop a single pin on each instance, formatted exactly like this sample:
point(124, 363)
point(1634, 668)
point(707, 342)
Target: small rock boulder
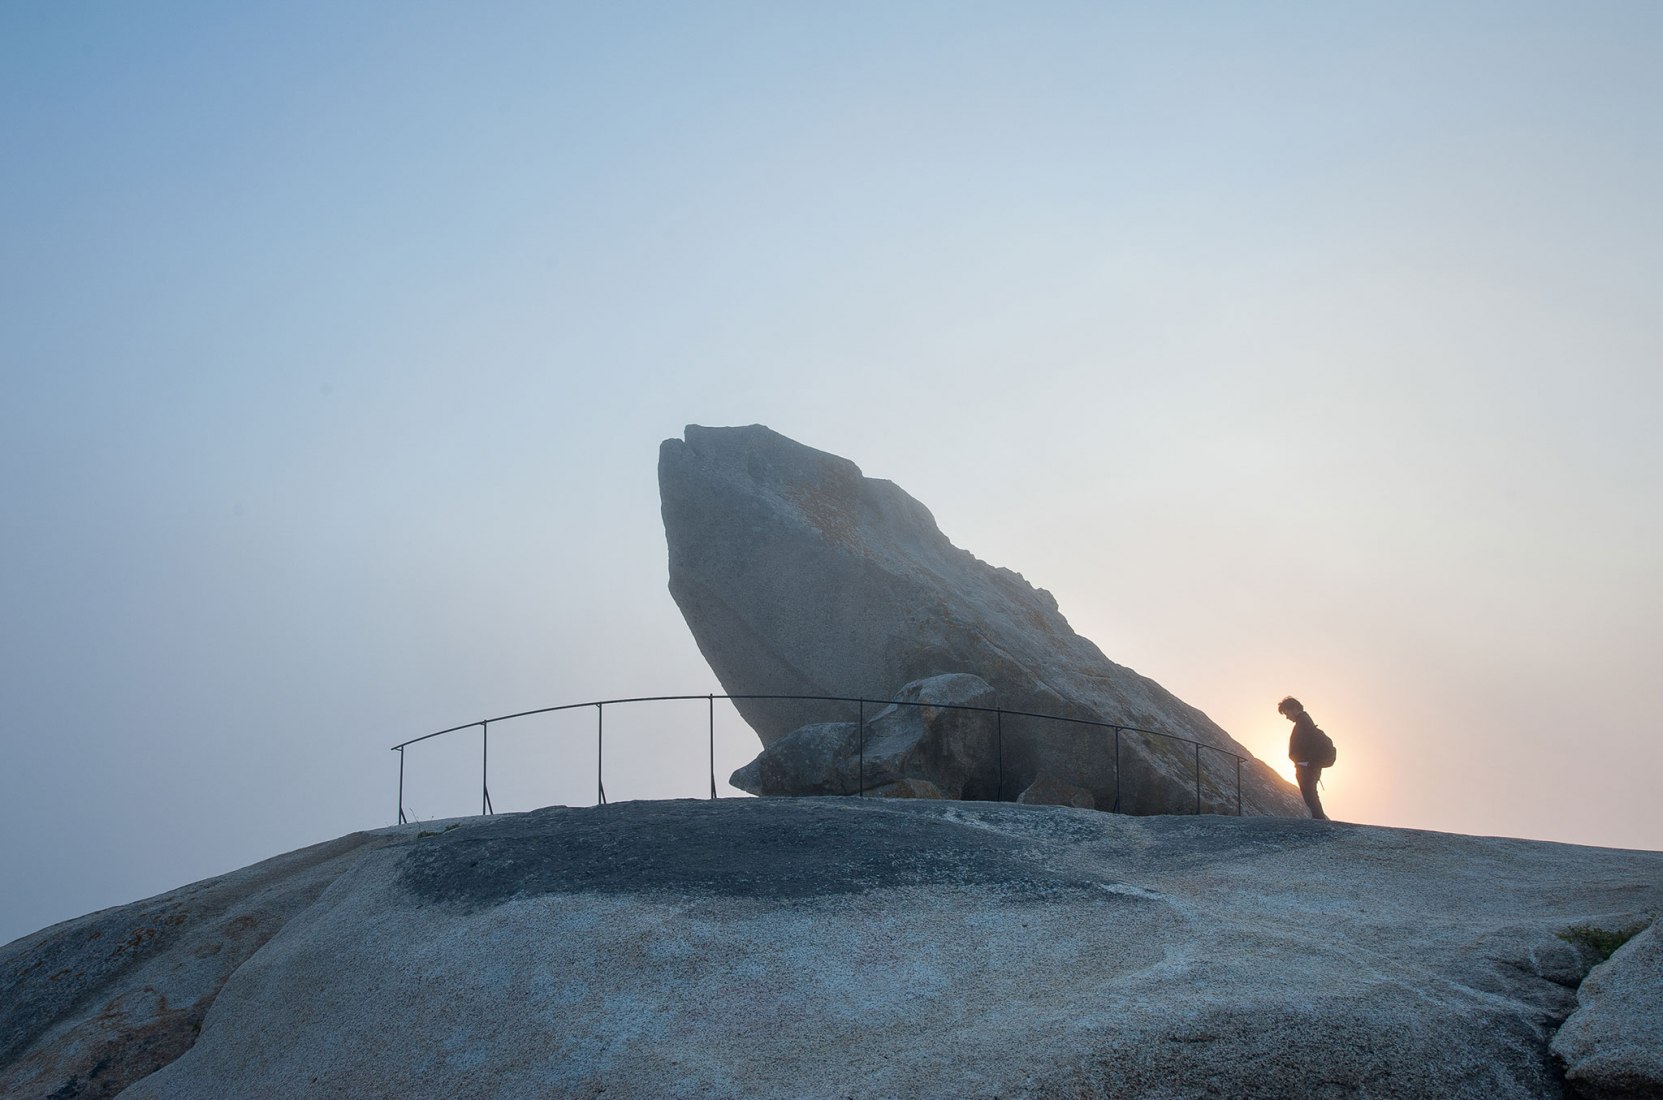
point(1612, 1045)
point(918, 747)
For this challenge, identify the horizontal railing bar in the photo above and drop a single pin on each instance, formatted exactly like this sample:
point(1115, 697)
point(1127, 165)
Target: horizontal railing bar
point(441, 733)
point(563, 706)
point(606, 703)
point(824, 699)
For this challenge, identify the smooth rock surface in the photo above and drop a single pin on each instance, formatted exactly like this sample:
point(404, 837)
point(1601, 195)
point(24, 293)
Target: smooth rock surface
point(799, 576)
point(1612, 1045)
point(809, 948)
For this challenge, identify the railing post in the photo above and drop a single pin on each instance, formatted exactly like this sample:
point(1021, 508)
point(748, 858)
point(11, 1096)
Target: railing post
point(860, 736)
point(600, 747)
point(712, 699)
point(1238, 786)
point(485, 768)
point(999, 787)
point(401, 785)
point(1198, 777)
point(1117, 769)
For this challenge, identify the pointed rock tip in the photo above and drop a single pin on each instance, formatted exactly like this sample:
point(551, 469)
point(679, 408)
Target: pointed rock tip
point(726, 444)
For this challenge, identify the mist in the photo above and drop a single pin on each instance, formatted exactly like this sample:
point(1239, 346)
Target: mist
point(1295, 349)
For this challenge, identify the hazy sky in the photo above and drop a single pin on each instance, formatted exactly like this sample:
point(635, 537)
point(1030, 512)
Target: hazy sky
point(1296, 347)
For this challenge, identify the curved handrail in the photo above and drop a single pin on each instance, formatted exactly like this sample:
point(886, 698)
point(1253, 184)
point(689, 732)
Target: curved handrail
point(600, 706)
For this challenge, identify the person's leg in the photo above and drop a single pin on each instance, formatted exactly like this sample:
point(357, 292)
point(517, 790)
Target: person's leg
point(1308, 788)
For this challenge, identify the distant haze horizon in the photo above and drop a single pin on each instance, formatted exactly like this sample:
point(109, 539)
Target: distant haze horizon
point(1295, 349)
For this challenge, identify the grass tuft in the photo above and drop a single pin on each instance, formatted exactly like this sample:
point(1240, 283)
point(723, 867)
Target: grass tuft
point(1602, 943)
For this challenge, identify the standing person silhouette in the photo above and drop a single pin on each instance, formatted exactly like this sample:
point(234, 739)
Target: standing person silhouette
point(1304, 748)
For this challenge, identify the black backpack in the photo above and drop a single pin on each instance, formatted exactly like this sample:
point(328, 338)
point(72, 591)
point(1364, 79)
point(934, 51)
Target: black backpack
point(1324, 753)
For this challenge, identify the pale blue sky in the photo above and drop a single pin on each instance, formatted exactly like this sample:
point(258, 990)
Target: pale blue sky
point(1304, 348)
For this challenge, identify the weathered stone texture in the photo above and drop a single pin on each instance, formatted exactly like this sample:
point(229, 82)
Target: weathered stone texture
point(91, 1005)
point(833, 947)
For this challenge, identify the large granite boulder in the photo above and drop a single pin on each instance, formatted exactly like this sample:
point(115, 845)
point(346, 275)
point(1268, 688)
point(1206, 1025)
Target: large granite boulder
point(831, 947)
point(1612, 1045)
point(799, 576)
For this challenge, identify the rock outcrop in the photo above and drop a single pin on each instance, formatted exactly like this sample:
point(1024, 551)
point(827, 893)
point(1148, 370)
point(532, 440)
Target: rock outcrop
point(833, 947)
point(91, 1005)
point(799, 576)
point(1612, 1045)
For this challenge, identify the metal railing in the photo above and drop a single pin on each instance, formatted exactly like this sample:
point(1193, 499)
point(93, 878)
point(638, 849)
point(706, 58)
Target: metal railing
point(999, 713)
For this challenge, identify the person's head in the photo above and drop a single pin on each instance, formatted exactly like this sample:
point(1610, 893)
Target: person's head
point(1290, 707)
